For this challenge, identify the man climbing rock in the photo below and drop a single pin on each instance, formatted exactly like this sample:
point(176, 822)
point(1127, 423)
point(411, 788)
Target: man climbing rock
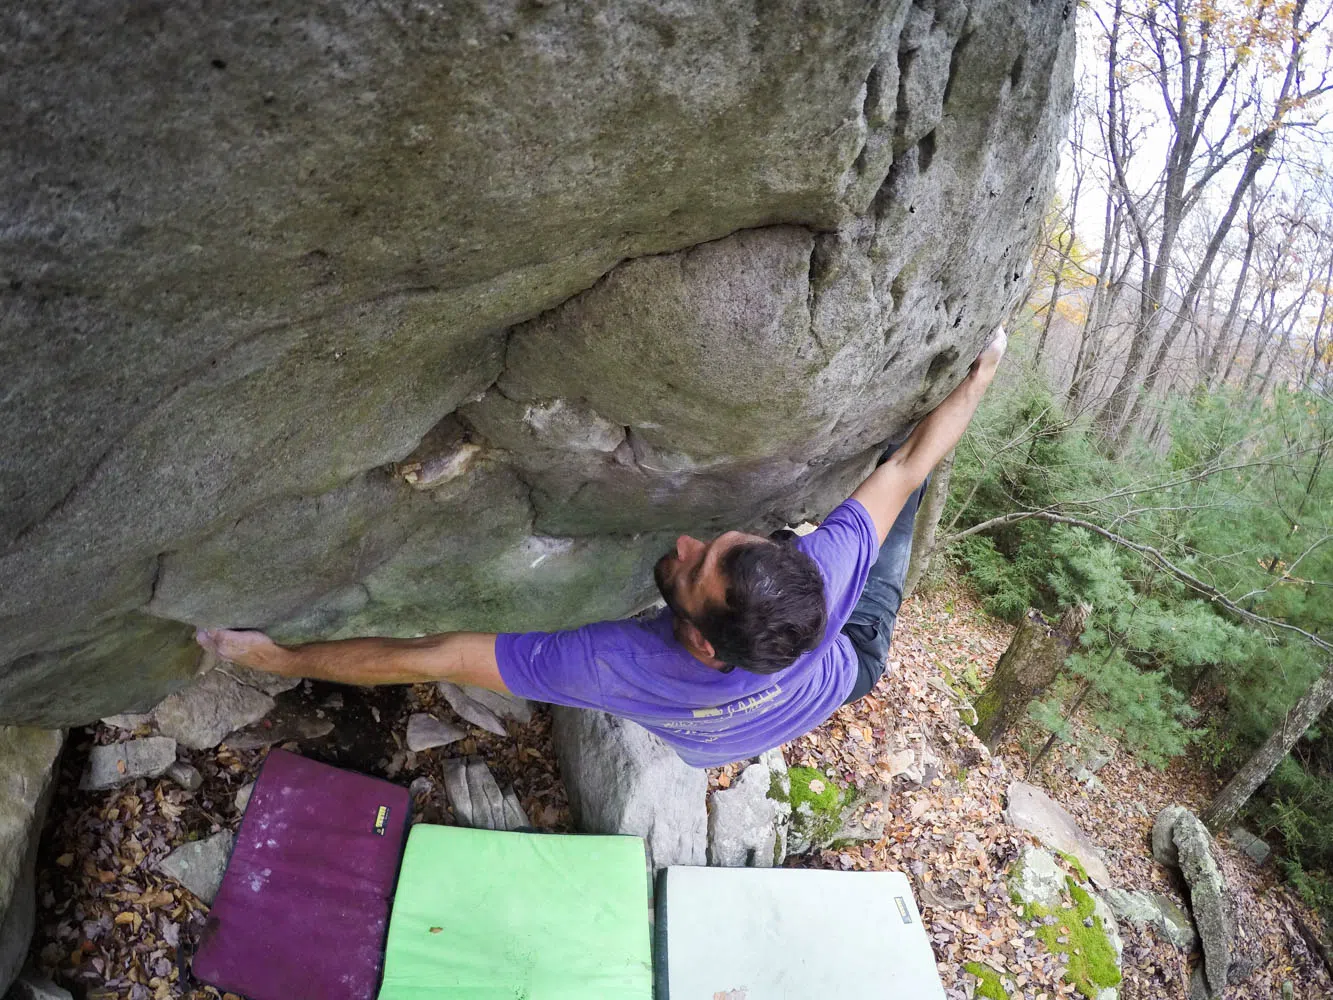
point(762, 639)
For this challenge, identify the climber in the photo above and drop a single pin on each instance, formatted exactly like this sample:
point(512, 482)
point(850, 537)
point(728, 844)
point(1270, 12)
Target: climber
point(761, 639)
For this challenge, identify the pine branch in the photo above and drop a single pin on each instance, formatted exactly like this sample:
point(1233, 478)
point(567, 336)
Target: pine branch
point(1154, 556)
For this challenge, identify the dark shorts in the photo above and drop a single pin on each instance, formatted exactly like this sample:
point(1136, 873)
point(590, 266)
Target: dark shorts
point(870, 627)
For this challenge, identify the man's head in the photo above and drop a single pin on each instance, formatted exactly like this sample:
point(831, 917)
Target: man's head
point(743, 601)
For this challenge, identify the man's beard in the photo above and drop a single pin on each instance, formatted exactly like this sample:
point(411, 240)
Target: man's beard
point(662, 580)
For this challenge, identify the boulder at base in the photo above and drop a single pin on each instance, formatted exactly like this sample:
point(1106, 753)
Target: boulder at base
point(620, 778)
point(27, 779)
point(1033, 810)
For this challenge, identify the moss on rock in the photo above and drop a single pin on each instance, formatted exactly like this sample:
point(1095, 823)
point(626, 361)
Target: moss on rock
point(989, 985)
point(1075, 864)
point(1086, 947)
point(817, 805)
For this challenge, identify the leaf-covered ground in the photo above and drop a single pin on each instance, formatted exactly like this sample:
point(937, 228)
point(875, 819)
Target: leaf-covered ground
point(950, 834)
point(110, 927)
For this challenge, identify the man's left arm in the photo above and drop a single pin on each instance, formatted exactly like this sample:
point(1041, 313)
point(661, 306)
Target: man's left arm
point(887, 488)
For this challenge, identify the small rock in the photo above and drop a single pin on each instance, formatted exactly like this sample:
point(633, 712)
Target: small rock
point(425, 731)
point(1038, 879)
point(420, 787)
point(199, 866)
point(477, 800)
point(334, 701)
point(261, 680)
point(117, 763)
point(1175, 925)
point(472, 709)
point(34, 986)
point(128, 721)
point(243, 796)
point(1256, 848)
point(200, 716)
point(505, 706)
point(185, 775)
point(515, 816)
point(297, 727)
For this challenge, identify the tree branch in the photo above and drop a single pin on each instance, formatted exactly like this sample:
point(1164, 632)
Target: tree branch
point(1154, 556)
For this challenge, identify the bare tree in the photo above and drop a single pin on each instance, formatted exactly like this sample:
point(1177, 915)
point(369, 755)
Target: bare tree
point(1223, 119)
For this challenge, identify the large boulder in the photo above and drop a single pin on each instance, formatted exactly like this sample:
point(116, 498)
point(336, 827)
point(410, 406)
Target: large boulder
point(27, 778)
point(622, 779)
point(337, 318)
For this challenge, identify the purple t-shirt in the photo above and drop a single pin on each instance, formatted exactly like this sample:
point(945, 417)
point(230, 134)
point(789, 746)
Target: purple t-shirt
point(636, 669)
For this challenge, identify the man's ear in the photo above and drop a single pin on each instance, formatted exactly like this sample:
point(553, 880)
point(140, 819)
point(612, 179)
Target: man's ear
point(696, 642)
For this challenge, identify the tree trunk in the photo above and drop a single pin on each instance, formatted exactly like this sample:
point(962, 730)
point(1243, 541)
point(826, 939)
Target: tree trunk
point(927, 523)
point(1256, 770)
point(1224, 335)
point(1032, 661)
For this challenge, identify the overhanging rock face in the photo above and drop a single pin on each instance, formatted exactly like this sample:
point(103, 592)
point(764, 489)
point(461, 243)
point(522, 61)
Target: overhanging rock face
point(343, 318)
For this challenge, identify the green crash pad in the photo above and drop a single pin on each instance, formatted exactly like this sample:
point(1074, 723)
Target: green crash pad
point(485, 915)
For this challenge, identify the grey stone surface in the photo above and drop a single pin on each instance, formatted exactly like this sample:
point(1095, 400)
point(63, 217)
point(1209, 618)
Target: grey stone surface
point(463, 700)
point(129, 721)
point(271, 684)
point(400, 320)
point(115, 764)
point(1031, 809)
point(1163, 840)
point(620, 778)
point(201, 715)
point(424, 732)
point(1038, 879)
point(1150, 909)
point(28, 760)
point(279, 729)
point(779, 793)
point(185, 775)
point(1175, 927)
point(476, 799)
point(1210, 899)
point(744, 823)
point(242, 797)
point(34, 986)
point(1255, 848)
point(1104, 913)
point(200, 865)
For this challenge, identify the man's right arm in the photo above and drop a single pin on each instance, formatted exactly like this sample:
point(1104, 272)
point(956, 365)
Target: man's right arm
point(887, 488)
point(460, 657)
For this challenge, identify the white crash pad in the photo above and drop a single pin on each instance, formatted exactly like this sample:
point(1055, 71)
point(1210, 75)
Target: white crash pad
point(790, 934)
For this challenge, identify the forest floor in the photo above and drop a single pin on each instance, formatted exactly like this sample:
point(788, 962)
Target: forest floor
point(951, 836)
point(109, 926)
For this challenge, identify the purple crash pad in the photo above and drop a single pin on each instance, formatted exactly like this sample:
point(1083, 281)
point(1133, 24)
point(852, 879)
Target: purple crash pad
point(304, 905)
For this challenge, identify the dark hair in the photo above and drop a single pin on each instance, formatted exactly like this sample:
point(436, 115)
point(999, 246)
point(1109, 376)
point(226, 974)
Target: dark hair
point(774, 610)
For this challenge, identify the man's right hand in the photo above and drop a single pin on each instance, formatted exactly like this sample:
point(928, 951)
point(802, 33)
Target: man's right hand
point(989, 358)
